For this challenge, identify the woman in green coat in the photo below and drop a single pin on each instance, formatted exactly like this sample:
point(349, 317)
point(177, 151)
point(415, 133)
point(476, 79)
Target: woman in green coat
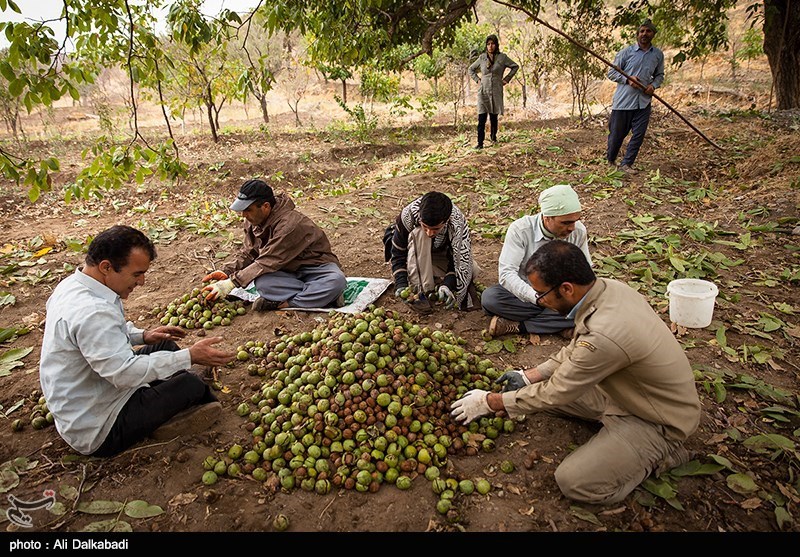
point(492, 65)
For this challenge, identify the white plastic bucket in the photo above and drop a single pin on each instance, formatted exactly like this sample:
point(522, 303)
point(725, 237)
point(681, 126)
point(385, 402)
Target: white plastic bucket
point(691, 302)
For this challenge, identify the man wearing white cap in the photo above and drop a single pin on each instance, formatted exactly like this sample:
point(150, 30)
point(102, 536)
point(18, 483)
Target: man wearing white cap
point(284, 252)
point(513, 302)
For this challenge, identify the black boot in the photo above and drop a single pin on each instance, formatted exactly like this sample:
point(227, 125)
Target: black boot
point(493, 122)
point(481, 136)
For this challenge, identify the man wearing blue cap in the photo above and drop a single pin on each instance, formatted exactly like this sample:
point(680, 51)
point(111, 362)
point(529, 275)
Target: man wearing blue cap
point(284, 252)
point(632, 103)
point(513, 302)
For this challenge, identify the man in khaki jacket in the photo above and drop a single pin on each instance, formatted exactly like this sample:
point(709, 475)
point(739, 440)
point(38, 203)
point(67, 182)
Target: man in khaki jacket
point(287, 255)
point(623, 368)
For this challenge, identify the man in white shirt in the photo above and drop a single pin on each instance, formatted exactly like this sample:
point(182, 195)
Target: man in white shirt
point(513, 302)
point(104, 394)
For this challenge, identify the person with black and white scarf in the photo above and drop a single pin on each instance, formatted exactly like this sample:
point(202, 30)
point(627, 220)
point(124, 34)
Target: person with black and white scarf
point(429, 248)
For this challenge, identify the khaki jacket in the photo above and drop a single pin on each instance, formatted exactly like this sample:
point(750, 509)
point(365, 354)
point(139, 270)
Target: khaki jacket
point(622, 347)
point(287, 241)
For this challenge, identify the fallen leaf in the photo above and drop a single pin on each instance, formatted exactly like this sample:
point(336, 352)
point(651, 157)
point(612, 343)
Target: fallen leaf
point(8, 480)
point(774, 365)
point(741, 483)
point(142, 509)
point(527, 512)
point(752, 503)
point(717, 438)
point(182, 499)
point(794, 331)
point(583, 514)
point(547, 459)
point(788, 492)
point(534, 339)
point(513, 489)
point(100, 507)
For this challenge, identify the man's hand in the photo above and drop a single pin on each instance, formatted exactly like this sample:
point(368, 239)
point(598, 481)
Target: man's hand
point(634, 82)
point(216, 275)
point(446, 295)
point(649, 90)
point(202, 352)
point(514, 379)
point(219, 289)
point(471, 406)
point(165, 332)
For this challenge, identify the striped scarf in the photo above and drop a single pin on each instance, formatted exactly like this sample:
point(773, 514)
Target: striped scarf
point(458, 231)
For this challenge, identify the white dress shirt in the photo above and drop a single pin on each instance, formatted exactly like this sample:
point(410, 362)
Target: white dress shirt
point(88, 368)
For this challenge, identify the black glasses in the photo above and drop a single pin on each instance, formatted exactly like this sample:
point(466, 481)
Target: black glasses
point(540, 296)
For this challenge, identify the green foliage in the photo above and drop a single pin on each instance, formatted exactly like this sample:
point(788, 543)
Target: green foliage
point(364, 123)
point(694, 27)
point(115, 165)
point(589, 22)
point(753, 40)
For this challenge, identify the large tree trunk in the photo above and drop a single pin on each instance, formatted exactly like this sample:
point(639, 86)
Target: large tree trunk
point(782, 46)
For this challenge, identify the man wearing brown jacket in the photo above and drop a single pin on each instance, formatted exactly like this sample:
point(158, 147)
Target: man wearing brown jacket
point(623, 369)
point(284, 252)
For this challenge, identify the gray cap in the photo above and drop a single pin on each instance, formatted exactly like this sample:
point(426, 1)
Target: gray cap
point(649, 24)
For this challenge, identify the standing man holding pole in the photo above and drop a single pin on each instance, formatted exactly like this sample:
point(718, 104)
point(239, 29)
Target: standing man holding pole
point(631, 106)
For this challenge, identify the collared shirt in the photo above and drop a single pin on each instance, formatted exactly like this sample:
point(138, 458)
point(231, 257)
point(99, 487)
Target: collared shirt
point(88, 368)
point(574, 311)
point(647, 65)
point(523, 238)
point(623, 350)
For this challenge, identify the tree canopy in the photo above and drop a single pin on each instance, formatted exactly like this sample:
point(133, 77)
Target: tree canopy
point(346, 36)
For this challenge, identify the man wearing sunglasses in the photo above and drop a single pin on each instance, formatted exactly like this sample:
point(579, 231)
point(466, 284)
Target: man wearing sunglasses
point(623, 369)
point(513, 302)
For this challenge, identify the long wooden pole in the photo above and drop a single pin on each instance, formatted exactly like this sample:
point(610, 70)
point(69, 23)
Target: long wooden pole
point(607, 63)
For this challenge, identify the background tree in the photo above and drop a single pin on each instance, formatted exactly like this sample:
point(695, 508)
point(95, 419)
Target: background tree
point(526, 46)
point(261, 55)
point(589, 23)
point(432, 67)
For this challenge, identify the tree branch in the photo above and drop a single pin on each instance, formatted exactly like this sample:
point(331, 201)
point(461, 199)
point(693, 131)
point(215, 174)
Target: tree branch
point(455, 11)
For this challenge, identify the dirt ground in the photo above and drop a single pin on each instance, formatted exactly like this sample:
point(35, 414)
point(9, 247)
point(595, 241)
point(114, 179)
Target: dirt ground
point(354, 190)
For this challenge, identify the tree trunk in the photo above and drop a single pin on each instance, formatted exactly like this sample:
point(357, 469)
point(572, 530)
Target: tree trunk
point(210, 111)
point(524, 95)
point(782, 46)
point(262, 102)
point(344, 91)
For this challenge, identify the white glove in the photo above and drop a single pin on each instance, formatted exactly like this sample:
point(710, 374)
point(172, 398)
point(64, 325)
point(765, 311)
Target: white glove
point(446, 295)
point(219, 289)
point(514, 379)
point(473, 404)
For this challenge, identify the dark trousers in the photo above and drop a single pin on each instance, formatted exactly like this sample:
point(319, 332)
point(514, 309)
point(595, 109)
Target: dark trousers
point(619, 124)
point(482, 127)
point(496, 300)
point(150, 407)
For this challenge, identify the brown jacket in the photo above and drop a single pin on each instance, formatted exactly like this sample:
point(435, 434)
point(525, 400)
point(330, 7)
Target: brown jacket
point(287, 241)
point(624, 348)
